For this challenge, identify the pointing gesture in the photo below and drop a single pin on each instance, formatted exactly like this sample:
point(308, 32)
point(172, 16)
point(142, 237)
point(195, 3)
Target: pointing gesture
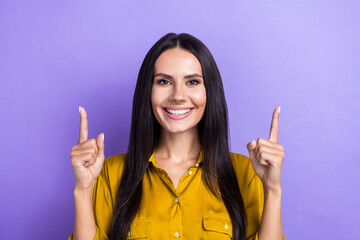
point(267, 156)
point(274, 129)
point(83, 130)
point(87, 157)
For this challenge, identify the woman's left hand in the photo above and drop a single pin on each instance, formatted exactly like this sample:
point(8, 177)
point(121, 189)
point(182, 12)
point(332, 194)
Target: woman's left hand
point(267, 156)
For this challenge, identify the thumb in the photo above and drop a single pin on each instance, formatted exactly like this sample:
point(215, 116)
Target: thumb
point(101, 145)
point(251, 149)
point(256, 164)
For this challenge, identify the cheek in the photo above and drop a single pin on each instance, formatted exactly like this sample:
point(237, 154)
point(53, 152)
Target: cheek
point(155, 102)
point(199, 98)
point(155, 97)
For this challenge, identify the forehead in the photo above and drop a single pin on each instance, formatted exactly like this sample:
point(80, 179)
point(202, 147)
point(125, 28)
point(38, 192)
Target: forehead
point(177, 61)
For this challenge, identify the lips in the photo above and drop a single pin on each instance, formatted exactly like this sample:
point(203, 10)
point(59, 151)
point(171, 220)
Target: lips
point(177, 113)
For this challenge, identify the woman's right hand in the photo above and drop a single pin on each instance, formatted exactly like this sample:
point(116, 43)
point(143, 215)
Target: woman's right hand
point(87, 157)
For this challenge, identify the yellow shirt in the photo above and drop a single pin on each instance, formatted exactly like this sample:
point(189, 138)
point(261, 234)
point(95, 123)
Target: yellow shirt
point(188, 212)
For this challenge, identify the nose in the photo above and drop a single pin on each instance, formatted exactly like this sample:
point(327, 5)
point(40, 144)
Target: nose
point(178, 94)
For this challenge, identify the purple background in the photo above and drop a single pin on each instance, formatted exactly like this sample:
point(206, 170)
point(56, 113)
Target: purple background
point(302, 55)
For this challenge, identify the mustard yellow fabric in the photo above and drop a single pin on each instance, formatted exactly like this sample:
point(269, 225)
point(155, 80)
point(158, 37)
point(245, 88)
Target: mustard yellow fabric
point(188, 212)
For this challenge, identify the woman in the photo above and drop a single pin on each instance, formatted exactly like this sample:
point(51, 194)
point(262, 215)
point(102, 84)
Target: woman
point(178, 178)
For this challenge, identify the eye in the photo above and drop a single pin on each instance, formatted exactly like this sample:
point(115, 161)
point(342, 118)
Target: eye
point(163, 82)
point(193, 82)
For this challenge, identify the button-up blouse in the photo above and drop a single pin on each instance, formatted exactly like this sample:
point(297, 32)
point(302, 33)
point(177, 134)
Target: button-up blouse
point(190, 211)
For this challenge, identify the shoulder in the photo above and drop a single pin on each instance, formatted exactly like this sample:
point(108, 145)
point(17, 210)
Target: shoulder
point(115, 163)
point(243, 169)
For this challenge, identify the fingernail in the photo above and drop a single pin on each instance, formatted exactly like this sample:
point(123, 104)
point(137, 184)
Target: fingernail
point(252, 142)
point(79, 108)
point(103, 137)
point(279, 109)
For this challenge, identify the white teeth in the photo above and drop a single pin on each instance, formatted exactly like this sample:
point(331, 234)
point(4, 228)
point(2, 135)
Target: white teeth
point(178, 112)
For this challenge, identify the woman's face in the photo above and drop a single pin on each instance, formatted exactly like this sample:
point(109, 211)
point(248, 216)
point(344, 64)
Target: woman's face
point(178, 95)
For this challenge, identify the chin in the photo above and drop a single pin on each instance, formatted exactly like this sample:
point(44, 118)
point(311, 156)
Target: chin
point(178, 129)
point(173, 130)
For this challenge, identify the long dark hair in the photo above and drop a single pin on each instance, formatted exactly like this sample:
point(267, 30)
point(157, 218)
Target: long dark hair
point(218, 171)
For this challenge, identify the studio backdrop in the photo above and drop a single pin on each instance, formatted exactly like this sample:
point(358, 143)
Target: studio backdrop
point(302, 55)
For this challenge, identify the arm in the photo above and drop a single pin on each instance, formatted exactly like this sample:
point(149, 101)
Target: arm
point(267, 156)
point(271, 223)
point(94, 209)
point(87, 158)
point(84, 216)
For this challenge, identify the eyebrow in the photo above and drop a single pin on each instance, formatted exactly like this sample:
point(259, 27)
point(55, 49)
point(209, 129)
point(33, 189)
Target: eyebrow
point(170, 77)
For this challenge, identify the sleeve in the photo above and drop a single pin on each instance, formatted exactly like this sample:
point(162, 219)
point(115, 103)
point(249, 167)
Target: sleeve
point(252, 192)
point(254, 207)
point(103, 204)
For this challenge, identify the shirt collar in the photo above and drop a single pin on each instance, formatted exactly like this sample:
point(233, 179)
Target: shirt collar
point(153, 161)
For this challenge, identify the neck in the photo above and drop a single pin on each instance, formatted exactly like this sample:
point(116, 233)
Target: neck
point(179, 147)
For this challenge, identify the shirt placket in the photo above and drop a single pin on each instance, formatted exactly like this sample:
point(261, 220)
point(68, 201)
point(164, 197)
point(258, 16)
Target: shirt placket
point(176, 218)
point(176, 211)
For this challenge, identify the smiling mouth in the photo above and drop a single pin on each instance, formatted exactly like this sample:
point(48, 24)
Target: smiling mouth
point(177, 112)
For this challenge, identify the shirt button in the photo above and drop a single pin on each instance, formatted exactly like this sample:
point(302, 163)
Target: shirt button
point(197, 165)
point(176, 200)
point(190, 172)
point(226, 226)
point(176, 234)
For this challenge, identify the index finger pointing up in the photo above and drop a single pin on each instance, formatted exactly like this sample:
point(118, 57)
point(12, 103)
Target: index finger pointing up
point(83, 130)
point(274, 130)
